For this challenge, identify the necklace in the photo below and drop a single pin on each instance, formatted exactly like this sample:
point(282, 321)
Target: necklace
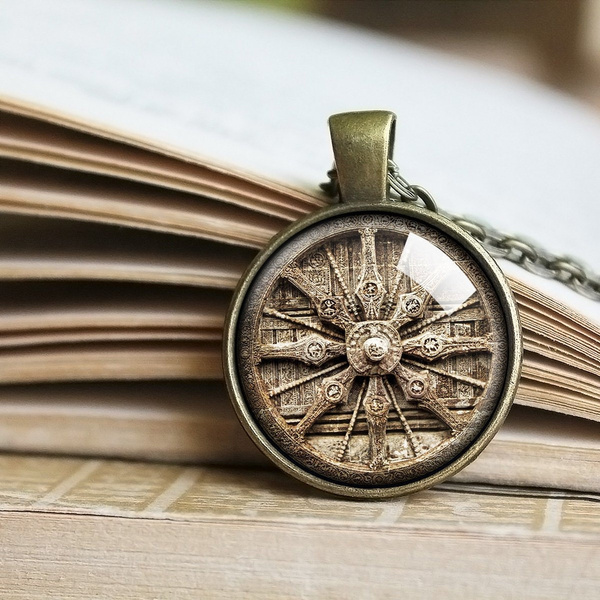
point(374, 347)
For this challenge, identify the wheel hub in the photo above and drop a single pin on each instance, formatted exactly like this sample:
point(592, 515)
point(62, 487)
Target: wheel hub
point(373, 347)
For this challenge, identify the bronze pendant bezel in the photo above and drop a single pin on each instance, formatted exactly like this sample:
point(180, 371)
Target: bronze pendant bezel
point(513, 365)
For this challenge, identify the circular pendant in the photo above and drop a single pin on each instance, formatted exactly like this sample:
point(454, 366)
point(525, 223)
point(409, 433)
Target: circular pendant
point(372, 349)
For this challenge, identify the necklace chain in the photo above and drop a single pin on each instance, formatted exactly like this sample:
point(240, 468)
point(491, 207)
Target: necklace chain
point(514, 248)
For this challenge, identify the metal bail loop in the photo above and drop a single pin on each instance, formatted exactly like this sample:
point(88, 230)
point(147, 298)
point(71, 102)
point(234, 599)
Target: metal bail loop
point(363, 143)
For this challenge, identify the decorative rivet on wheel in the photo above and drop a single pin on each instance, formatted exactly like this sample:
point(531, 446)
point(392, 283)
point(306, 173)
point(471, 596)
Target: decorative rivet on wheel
point(376, 348)
point(432, 345)
point(334, 391)
point(315, 350)
point(412, 305)
point(328, 308)
point(417, 387)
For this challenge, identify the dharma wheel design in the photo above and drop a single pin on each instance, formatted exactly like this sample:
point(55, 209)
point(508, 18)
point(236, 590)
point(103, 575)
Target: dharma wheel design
point(371, 350)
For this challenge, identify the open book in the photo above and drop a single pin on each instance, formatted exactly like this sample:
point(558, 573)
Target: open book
point(144, 161)
point(134, 530)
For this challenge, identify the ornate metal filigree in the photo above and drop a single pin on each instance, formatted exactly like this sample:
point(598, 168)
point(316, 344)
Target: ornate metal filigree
point(373, 350)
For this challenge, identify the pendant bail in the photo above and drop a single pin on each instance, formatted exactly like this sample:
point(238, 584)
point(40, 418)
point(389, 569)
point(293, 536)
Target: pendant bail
point(363, 143)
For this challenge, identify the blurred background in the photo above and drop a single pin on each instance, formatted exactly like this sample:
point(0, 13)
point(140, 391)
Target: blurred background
point(556, 42)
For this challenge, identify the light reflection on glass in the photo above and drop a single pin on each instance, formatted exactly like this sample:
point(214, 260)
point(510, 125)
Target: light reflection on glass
point(430, 268)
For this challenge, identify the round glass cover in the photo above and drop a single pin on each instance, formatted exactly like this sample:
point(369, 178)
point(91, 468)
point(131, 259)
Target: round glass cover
point(372, 349)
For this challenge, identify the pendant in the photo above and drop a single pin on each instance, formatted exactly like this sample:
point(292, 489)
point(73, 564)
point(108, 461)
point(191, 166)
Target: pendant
point(373, 348)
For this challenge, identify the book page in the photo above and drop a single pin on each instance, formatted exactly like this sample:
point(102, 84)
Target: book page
point(56, 192)
point(252, 90)
point(116, 529)
point(34, 313)
point(112, 361)
point(566, 299)
point(42, 141)
point(30, 249)
point(193, 422)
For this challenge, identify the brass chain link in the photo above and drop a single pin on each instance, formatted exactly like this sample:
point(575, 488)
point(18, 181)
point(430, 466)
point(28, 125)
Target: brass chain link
point(516, 249)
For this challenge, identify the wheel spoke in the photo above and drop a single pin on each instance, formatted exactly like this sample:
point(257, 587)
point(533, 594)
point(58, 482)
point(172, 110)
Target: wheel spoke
point(412, 440)
point(391, 301)
point(413, 304)
point(292, 384)
point(369, 289)
point(434, 346)
point(338, 275)
point(329, 308)
point(333, 391)
point(346, 440)
point(272, 312)
point(420, 387)
point(437, 317)
point(313, 350)
point(478, 383)
point(377, 406)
